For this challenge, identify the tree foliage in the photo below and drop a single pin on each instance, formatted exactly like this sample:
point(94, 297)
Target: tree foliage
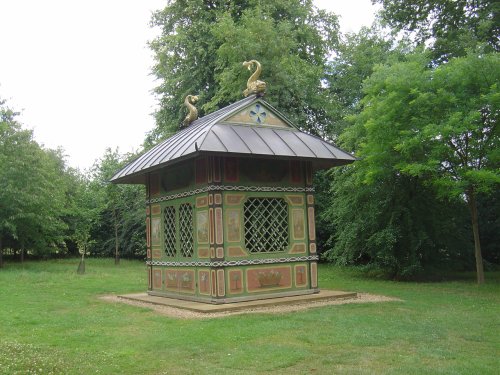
point(203, 45)
point(32, 189)
point(120, 228)
point(435, 125)
point(451, 26)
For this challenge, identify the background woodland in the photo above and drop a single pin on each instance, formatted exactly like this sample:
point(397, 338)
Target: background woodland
point(416, 97)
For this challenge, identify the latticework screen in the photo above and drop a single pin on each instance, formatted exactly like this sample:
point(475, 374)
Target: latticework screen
point(266, 225)
point(186, 230)
point(169, 230)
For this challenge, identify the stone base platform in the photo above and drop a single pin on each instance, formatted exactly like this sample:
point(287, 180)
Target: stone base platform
point(201, 307)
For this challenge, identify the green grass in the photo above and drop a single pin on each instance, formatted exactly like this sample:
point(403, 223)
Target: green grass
point(51, 321)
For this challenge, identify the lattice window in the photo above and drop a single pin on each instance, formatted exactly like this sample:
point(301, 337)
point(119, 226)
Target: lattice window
point(169, 230)
point(186, 230)
point(266, 224)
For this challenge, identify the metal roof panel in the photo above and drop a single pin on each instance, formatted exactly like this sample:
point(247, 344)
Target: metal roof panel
point(299, 148)
point(253, 141)
point(212, 133)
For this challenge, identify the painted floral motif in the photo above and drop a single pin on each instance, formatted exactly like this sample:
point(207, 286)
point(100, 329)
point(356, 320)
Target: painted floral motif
point(258, 114)
point(267, 279)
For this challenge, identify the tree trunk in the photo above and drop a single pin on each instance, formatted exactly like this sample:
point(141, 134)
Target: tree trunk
point(117, 253)
point(471, 198)
point(1, 253)
point(21, 254)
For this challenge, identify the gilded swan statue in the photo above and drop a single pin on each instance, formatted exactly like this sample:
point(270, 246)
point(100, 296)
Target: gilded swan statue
point(193, 112)
point(254, 86)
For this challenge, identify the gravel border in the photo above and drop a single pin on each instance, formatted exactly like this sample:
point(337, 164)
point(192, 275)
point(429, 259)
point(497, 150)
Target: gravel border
point(174, 312)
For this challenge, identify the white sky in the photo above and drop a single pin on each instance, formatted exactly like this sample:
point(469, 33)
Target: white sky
point(79, 70)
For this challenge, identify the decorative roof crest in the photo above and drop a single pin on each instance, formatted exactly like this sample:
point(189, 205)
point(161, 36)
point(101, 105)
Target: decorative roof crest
point(254, 86)
point(193, 112)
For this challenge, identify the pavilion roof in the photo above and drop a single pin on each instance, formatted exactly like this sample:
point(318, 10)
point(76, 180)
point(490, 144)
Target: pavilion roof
point(219, 134)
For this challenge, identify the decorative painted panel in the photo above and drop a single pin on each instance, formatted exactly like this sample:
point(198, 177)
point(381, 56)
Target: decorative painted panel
point(171, 280)
point(180, 280)
point(298, 248)
point(295, 200)
point(298, 225)
point(157, 282)
point(233, 224)
point(300, 275)
point(201, 171)
point(219, 252)
point(216, 169)
point(156, 253)
point(236, 251)
point(235, 281)
point(310, 199)
point(218, 199)
point(211, 225)
point(203, 252)
point(178, 176)
point(312, 227)
point(154, 184)
point(156, 231)
point(214, 283)
point(234, 199)
point(202, 201)
point(221, 286)
point(312, 248)
point(218, 226)
point(314, 275)
point(309, 177)
point(148, 232)
point(295, 172)
point(269, 171)
point(266, 279)
point(202, 228)
point(257, 114)
point(231, 173)
point(204, 282)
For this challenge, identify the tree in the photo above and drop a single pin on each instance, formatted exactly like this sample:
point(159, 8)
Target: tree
point(120, 229)
point(204, 43)
point(32, 189)
point(451, 26)
point(354, 61)
point(436, 124)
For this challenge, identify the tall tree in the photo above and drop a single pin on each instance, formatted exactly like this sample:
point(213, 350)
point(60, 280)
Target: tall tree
point(451, 26)
point(32, 189)
point(121, 226)
point(355, 59)
point(203, 45)
point(436, 124)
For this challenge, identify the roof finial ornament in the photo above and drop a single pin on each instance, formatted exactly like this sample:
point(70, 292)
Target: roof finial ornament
point(254, 86)
point(193, 112)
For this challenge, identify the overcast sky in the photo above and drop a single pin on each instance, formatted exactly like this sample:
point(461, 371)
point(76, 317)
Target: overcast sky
point(79, 70)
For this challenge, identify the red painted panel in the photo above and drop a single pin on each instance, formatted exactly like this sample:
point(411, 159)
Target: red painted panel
point(295, 175)
point(201, 171)
point(231, 169)
point(269, 278)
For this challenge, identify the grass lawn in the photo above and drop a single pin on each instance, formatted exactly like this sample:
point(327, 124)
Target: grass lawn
point(51, 322)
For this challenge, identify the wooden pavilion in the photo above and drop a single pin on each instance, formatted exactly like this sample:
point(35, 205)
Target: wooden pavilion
point(230, 205)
